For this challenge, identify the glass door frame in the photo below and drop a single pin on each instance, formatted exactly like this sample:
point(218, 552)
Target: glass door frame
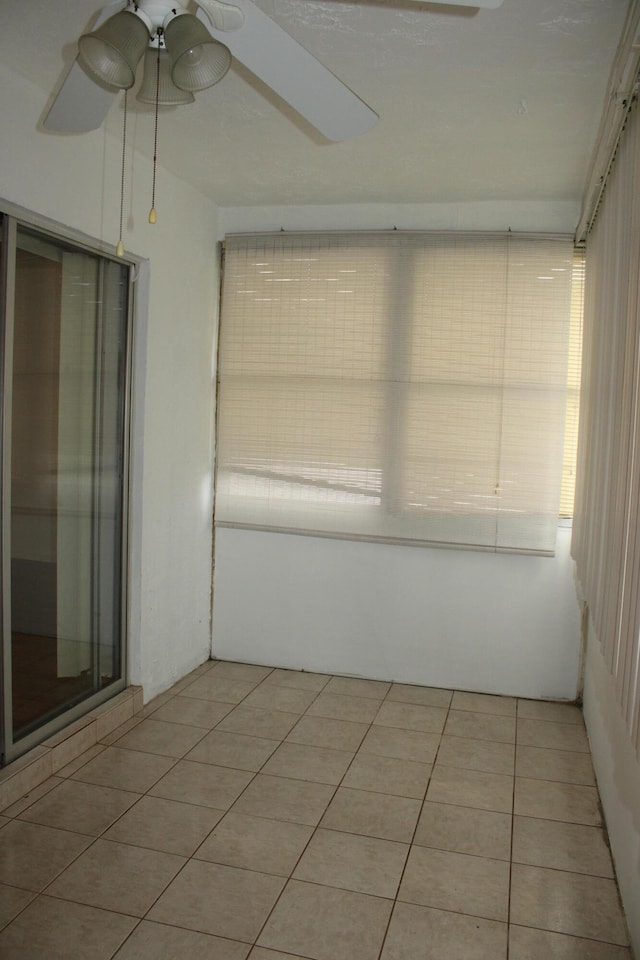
point(13, 217)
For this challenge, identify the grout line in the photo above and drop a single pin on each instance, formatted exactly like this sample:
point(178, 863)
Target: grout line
point(415, 830)
point(513, 820)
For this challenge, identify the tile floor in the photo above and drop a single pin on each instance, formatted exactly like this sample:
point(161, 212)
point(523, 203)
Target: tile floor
point(272, 815)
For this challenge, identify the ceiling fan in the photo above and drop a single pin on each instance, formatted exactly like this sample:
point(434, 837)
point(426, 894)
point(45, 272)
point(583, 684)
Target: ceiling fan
point(192, 52)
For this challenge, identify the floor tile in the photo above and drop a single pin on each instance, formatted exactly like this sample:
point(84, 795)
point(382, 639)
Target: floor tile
point(118, 732)
point(547, 710)
point(297, 678)
point(540, 763)
point(32, 855)
point(301, 762)
point(234, 750)
point(567, 903)
point(372, 814)
point(525, 943)
point(150, 708)
point(323, 923)
point(202, 783)
point(471, 788)
point(411, 716)
point(270, 724)
point(124, 769)
point(561, 846)
point(550, 800)
point(158, 736)
point(555, 736)
point(402, 778)
point(455, 881)
point(426, 696)
point(278, 798)
point(256, 843)
point(486, 755)
point(322, 731)
point(481, 833)
point(118, 877)
point(165, 825)
point(336, 706)
point(54, 930)
point(418, 932)
point(274, 697)
point(194, 713)
point(214, 687)
point(70, 768)
point(252, 813)
point(481, 726)
point(157, 941)
point(353, 862)
point(484, 703)
point(355, 687)
point(220, 900)
point(403, 744)
point(191, 676)
point(249, 672)
point(12, 902)
point(26, 801)
point(80, 807)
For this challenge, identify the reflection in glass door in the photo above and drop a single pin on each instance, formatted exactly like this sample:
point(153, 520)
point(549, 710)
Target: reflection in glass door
point(64, 468)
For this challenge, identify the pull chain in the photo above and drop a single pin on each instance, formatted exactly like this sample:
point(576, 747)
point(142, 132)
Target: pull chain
point(120, 245)
point(152, 212)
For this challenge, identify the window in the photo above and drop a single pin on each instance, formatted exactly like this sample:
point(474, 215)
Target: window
point(403, 387)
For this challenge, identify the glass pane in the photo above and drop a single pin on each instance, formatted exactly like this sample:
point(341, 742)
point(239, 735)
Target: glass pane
point(67, 434)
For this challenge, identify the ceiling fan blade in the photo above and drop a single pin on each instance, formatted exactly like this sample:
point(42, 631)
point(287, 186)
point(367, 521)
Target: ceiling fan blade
point(80, 105)
point(293, 73)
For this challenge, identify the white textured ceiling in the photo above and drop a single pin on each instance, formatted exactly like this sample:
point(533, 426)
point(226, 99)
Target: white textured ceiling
point(474, 105)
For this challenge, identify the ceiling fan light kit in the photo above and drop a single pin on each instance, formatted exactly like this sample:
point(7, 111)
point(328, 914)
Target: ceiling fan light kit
point(112, 52)
point(197, 60)
point(180, 56)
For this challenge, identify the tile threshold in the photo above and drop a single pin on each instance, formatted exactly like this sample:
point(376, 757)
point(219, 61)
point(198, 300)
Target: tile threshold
point(37, 765)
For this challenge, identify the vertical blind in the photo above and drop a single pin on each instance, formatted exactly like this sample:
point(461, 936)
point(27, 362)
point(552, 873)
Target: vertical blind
point(395, 386)
point(574, 375)
point(606, 539)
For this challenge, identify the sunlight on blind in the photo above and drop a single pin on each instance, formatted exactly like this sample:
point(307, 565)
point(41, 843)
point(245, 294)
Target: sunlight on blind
point(574, 370)
point(395, 386)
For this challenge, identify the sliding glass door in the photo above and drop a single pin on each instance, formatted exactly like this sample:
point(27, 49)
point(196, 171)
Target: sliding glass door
point(65, 350)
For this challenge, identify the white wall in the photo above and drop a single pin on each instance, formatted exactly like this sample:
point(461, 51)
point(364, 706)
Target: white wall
point(74, 180)
point(496, 623)
point(533, 216)
point(617, 768)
